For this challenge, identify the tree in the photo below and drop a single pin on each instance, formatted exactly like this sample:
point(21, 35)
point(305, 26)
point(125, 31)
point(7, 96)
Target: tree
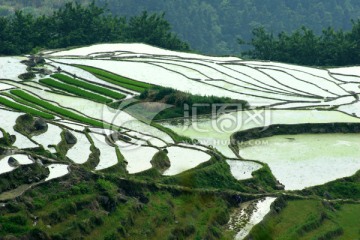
point(21, 32)
point(155, 30)
point(77, 25)
point(304, 47)
point(263, 44)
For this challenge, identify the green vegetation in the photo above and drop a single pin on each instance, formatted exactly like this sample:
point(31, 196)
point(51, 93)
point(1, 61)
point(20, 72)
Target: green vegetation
point(160, 161)
point(345, 188)
point(24, 109)
point(76, 25)
point(116, 79)
point(25, 124)
point(176, 137)
point(111, 204)
point(304, 47)
point(215, 174)
point(110, 207)
point(22, 101)
point(88, 86)
point(120, 168)
point(288, 129)
point(179, 100)
point(75, 90)
point(56, 109)
point(212, 26)
point(310, 219)
point(26, 174)
point(5, 140)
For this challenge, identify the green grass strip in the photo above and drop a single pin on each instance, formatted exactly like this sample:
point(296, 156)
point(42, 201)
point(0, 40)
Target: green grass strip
point(88, 86)
point(24, 109)
point(116, 79)
point(58, 110)
point(176, 137)
point(26, 103)
point(124, 85)
point(75, 90)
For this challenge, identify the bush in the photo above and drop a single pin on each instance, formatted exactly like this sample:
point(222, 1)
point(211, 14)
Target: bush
point(19, 220)
point(180, 99)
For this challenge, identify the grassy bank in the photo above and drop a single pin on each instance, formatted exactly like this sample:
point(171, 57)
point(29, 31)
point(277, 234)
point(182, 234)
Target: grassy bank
point(75, 90)
point(89, 86)
point(310, 219)
point(183, 103)
point(25, 109)
point(110, 208)
point(56, 109)
point(116, 79)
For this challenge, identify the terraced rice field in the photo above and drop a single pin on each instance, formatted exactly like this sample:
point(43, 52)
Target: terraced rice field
point(301, 161)
point(177, 156)
point(86, 83)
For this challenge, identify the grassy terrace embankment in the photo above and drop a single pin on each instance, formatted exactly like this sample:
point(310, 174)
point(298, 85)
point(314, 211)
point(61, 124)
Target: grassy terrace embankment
point(116, 79)
point(344, 188)
point(24, 108)
point(289, 129)
point(110, 207)
point(88, 86)
point(75, 90)
point(177, 103)
point(61, 111)
point(309, 219)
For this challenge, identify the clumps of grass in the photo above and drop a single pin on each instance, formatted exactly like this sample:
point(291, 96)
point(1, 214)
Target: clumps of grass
point(25, 124)
point(6, 140)
point(63, 147)
point(213, 174)
point(120, 168)
point(24, 109)
point(89, 86)
point(346, 188)
point(16, 224)
point(182, 102)
point(75, 90)
point(160, 161)
point(56, 109)
point(117, 79)
point(24, 174)
point(26, 103)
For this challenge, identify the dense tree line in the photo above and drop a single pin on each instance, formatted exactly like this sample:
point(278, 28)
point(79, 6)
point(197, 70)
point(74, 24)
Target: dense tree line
point(304, 47)
point(209, 26)
point(76, 25)
point(212, 26)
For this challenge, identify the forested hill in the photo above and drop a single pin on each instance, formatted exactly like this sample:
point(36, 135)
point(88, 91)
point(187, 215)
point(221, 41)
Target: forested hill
point(213, 26)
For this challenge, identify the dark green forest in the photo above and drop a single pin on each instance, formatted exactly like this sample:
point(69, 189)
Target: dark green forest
point(213, 26)
point(246, 28)
point(77, 25)
point(304, 47)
